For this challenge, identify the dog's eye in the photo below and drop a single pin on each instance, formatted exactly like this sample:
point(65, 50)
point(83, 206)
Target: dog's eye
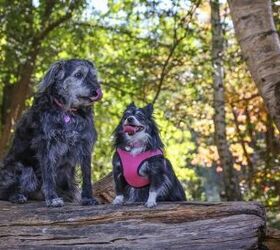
point(140, 115)
point(78, 75)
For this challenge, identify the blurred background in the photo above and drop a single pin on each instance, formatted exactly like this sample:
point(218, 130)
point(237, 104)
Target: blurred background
point(150, 51)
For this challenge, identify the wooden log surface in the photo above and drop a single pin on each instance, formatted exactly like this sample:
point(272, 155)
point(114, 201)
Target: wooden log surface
point(104, 190)
point(181, 225)
point(272, 239)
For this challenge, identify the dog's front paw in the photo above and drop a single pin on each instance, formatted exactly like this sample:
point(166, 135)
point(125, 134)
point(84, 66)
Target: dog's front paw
point(18, 198)
point(118, 200)
point(151, 204)
point(89, 201)
point(56, 202)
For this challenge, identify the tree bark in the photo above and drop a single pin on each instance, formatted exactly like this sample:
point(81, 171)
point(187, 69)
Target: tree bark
point(104, 189)
point(18, 96)
point(180, 225)
point(6, 93)
point(259, 42)
point(272, 239)
point(231, 183)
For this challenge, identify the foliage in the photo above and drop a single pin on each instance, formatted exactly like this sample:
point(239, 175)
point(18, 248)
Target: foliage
point(153, 51)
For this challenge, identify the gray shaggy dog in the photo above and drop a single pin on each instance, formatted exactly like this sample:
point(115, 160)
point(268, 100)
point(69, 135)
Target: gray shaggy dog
point(52, 137)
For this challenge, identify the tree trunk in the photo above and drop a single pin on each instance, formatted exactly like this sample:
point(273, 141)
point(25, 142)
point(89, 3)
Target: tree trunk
point(18, 96)
point(231, 183)
point(6, 102)
point(259, 42)
point(179, 225)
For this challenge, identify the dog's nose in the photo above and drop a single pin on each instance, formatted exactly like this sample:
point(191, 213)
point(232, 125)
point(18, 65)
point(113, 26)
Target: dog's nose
point(94, 93)
point(130, 119)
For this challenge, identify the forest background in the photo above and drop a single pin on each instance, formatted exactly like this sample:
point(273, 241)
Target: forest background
point(151, 51)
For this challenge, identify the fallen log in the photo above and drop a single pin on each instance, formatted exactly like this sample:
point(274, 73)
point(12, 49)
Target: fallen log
point(104, 190)
point(180, 225)
point(272, 239)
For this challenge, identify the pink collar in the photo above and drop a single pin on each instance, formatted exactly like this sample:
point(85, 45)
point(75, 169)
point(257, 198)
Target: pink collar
point(132, 163)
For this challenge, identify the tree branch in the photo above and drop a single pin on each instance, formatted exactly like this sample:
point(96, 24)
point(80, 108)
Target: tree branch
point(56, 23)
point(121, 31)
point(176, 42)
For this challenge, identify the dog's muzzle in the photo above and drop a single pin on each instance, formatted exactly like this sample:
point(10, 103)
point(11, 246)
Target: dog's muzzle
point(97, 95)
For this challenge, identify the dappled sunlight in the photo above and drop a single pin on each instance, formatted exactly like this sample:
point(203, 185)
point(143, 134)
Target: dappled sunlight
point(156, 52)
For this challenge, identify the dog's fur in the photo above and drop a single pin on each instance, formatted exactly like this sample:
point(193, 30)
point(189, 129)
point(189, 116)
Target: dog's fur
point(164, 185)
point(52, 137)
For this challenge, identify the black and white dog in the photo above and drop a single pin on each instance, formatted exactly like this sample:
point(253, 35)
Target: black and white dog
point(141, 172)
point(53, 136)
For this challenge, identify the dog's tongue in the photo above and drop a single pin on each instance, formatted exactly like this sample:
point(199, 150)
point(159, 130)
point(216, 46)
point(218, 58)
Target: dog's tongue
point(129, 129)
point(97, 95)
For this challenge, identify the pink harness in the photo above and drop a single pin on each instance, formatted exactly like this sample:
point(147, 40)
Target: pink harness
point(132, 163)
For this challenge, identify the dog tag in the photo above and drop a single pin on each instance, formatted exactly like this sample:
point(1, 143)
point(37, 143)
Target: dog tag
point(66, 118)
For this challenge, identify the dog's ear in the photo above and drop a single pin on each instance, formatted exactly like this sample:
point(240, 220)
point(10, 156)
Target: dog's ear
point(131, 105)
point(55, 72)
point(149, 109)
point(90, 63)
